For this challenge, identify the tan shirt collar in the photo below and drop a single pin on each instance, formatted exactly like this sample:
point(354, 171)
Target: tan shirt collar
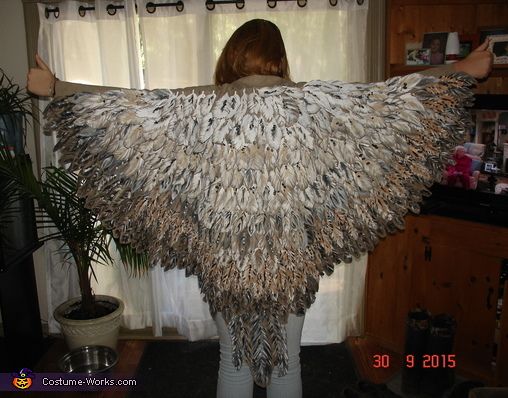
point(256, 81)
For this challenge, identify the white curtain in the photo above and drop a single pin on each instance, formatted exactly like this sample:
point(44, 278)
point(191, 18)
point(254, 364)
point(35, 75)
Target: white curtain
point(180, 49)
point(95, 49)
point(322, 42)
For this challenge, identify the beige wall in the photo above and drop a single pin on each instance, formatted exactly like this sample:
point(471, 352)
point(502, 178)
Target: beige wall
point(13, 61)
point(13, 45)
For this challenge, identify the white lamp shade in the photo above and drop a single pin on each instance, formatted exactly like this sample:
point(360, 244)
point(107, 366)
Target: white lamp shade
point(452, 48)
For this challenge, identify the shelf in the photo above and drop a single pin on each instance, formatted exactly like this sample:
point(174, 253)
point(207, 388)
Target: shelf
point(402, 69)
point(472, 205)
point(491, 101)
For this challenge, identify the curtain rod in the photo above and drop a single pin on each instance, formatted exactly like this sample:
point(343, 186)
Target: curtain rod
point(332, 2)
point(273, 3)
point(151, 7)
point(210, 4)
point(110, 8)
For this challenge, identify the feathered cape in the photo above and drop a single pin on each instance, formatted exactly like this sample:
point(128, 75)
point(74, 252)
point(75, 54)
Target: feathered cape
point(259, 192)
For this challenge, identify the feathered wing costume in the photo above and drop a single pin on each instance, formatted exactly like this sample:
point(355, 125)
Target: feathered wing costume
point(259, 192)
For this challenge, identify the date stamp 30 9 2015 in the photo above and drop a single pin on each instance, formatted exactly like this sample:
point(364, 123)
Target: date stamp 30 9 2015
point(430, 361)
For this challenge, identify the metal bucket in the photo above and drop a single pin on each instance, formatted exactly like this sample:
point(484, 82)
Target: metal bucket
point(88, 359)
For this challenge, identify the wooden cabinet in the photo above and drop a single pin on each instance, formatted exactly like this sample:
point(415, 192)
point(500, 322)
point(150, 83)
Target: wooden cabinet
point(446, 266)
point(442, 264)
point(408, 20)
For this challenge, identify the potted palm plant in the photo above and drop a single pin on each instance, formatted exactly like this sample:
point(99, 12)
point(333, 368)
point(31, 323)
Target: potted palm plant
point(83, 237)
point(18, 235)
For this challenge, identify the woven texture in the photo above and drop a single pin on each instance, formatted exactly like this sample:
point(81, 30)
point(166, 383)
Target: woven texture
point(259, 192)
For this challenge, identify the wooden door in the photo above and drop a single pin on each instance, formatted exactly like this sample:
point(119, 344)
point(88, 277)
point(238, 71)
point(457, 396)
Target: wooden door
point(456, 272)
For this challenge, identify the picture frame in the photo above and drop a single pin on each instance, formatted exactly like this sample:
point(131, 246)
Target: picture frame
point(484, 32)
point(436, 43)
point(499, 47)
point(418, 56)
point(490, 167)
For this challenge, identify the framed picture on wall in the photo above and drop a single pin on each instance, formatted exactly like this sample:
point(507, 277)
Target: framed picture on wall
point(499, 47)
point(436, 43)
point(492, 31)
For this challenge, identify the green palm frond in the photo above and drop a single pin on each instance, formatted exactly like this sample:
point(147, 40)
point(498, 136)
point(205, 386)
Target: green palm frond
point(58, 207)
point(14, 102)
point(58, 210)
point(136, 263)
point(13, 98)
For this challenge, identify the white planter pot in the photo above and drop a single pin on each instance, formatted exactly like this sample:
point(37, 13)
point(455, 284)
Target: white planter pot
point(99, 331)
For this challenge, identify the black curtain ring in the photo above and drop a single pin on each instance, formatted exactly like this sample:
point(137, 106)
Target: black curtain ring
point(210, 5)
point(360, 2)
point(55, 11)
point(240, 4)
point(150, 7)
point(333, 3)
point(271, 3)
point(301, 3)
point(82, 10)
point(111, 9)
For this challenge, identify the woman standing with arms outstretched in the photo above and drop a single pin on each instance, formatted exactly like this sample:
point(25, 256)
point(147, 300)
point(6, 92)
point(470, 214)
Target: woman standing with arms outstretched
point(258, 185)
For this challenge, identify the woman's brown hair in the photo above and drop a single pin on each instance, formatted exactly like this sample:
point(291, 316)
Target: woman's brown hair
point(255, 48)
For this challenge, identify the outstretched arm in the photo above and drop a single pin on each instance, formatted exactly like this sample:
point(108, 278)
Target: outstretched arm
point(477, 64)
point(42, 82)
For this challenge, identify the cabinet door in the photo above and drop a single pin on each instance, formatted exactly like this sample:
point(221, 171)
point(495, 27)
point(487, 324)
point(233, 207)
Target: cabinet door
point(454, 272)
point(388, 290)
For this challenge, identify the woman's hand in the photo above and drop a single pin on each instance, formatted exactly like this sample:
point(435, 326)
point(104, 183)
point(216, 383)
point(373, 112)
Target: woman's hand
point(478, 63)
point(41, 80)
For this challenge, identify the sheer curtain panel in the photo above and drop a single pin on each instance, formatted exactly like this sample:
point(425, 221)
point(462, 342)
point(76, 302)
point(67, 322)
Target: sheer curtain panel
point(101, 49)
point(180, 49)
point(322, 41)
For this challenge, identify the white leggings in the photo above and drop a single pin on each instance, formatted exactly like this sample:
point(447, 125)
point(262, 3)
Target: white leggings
point(233, 383)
